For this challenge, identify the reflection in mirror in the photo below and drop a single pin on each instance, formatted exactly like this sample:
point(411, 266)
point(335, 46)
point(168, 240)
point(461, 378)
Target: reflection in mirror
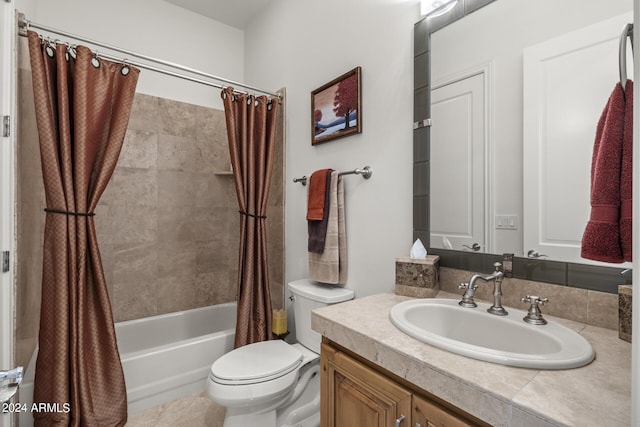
point(517, 88)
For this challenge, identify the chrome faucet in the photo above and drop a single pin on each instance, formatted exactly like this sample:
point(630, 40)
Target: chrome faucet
point(470, 290)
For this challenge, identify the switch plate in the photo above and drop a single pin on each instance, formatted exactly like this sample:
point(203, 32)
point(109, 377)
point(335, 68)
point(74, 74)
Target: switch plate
point(506, 222)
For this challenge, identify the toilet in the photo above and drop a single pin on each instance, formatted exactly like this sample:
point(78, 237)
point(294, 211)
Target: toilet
point(273, 383)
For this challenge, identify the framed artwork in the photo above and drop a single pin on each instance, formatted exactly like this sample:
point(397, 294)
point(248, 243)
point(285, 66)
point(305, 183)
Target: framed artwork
point(336, 108)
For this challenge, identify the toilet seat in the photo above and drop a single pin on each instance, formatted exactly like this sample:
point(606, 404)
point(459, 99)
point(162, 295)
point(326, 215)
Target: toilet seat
point(256, 363)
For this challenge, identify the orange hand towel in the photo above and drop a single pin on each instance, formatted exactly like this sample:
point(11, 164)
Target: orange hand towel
point(317, 191)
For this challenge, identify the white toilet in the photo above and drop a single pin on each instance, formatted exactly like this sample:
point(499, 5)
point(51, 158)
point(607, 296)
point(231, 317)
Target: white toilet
point(272, 383)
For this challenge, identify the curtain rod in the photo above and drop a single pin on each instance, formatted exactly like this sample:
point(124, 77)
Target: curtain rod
point(24, 24)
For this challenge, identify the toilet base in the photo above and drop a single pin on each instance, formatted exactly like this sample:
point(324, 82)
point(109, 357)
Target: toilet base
point(250, 420)
point(305, 412)
point(302, 411)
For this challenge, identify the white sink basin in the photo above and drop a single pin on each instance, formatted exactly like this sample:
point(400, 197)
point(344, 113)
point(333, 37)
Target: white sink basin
point(506, 340)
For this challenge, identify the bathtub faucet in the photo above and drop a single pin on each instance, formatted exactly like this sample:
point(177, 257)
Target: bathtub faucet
point(470, 290)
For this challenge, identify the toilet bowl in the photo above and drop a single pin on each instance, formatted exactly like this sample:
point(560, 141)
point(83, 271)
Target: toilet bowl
point(273, 383)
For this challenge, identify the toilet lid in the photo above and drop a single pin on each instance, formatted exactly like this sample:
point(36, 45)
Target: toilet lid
point(256, 362)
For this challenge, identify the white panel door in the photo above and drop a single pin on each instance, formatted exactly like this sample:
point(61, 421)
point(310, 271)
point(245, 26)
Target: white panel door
point(567, 81)
point(457, 197)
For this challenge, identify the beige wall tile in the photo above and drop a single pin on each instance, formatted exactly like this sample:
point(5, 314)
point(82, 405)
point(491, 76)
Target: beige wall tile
point(177, 260)
point(176, 153)
point(215, 190)
point(176, 293)
point(135, 224)
point(603, 309)
point(176, 224)
point(209, 257)
point(132, 186)
point(144, 113)
point(133, 300)
point(175, 188)
point(139, 149)
point(135, 262)
point(212, 148)
point(214, 287)
point(176, 118)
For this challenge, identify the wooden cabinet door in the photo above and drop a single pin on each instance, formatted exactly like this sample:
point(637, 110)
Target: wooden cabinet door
point(354, 395)
point(428, 414)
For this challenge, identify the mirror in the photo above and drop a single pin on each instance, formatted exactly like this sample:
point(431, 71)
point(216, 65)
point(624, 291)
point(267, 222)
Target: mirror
point(517, 88)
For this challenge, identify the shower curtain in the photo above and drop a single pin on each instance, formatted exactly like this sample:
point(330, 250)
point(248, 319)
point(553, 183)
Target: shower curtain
point(251, 129)
point(82, 111)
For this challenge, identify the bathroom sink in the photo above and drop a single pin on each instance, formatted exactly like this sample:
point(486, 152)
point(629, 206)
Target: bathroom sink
point(506, 340)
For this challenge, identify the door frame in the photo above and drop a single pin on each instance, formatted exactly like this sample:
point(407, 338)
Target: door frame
point(7, 197)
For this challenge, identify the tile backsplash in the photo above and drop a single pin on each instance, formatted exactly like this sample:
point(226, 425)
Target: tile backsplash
point(581, 305)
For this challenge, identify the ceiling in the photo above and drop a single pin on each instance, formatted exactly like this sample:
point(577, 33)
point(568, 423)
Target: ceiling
point(236, 13)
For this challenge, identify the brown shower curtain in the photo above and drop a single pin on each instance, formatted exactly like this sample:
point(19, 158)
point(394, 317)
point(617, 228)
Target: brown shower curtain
point(251, 129)
point(82, 113)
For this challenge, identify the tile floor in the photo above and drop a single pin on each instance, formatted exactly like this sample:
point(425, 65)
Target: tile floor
point(197, 410)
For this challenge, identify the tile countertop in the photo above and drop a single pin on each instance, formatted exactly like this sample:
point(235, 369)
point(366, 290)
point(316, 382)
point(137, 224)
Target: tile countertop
point(596, 394)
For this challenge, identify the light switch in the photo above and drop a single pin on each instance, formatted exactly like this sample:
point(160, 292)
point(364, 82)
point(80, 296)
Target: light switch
point(506, 222)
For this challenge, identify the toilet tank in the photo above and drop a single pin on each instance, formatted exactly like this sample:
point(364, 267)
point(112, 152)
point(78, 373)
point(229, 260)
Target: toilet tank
point(309, 295)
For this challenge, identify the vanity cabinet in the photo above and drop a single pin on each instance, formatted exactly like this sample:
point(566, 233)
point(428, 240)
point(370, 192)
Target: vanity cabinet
point(426, 413)
point(355, 394)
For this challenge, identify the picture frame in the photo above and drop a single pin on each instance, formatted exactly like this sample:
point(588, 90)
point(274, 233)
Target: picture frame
point(336, 108)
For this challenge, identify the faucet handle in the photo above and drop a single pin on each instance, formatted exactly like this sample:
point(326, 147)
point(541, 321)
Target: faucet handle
point(535, 300)
point(466, 286)
point(534, 315)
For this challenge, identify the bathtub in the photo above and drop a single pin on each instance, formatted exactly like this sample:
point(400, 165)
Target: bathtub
point(164, 357)
point(169, 356)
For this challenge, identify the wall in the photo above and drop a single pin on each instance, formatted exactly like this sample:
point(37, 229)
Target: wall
point(302, 45)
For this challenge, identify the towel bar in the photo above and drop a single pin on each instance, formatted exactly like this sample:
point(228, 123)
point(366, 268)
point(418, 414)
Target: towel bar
point(366, 173)
point(627, 32)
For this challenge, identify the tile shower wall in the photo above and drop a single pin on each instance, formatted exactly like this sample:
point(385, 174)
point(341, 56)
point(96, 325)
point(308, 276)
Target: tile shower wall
point(168, 222)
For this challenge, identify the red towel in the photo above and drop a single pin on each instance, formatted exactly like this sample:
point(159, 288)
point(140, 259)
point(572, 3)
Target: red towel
point(317, 192)
point(626, 182)
point(601, 239)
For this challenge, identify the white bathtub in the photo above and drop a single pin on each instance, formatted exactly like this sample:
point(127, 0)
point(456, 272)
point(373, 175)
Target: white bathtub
point(164, 357)
point(169, 356)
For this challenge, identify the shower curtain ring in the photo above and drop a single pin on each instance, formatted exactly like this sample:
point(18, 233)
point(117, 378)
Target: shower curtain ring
point(71, 51)
point(50, 48)
point(125, 68)
point(67, 53)
point(95, 59)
